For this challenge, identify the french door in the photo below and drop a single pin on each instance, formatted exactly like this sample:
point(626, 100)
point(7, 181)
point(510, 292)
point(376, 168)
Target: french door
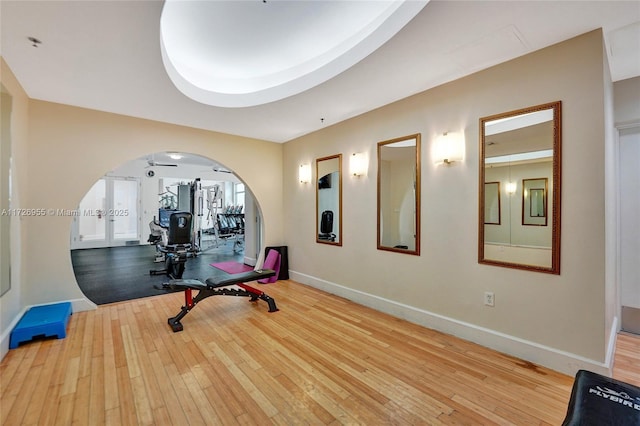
point(108, 215)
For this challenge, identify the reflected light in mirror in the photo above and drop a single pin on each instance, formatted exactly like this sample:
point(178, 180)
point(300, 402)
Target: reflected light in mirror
point(304, 174)
point(547, 153)
point(358, 164)
point(521, 149)
point(448, 147)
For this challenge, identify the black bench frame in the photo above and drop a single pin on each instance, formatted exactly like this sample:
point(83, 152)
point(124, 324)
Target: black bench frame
point(215, 287)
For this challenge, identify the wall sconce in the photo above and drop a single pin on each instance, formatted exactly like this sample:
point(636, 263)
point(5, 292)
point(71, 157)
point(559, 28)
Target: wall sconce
point(511, 187)
point(448, 148)
point(358, 164)
point(304, 173)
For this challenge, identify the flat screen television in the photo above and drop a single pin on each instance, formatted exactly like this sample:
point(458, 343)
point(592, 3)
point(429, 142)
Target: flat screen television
point(164, 215)
point(324, 182)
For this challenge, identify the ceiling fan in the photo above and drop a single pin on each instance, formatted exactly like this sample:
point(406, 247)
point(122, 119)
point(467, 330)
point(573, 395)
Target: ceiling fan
point(153, 163)
point(221, 170)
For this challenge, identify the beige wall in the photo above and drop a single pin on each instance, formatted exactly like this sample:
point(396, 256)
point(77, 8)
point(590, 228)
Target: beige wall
point(537, 316)
point(70, 148)
point(558, 321)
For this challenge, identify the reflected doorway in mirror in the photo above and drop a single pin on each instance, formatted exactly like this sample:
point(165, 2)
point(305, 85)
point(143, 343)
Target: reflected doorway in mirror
point(520, 151)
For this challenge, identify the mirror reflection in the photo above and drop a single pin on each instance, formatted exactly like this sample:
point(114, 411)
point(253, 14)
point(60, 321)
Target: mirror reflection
point(520, 172)
point(329, 200)
point(5, 191)
point(534, 202)
point(492, 210)
point(399, 195)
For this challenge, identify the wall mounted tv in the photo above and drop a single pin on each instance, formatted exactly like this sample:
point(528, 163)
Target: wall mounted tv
point(324, 182)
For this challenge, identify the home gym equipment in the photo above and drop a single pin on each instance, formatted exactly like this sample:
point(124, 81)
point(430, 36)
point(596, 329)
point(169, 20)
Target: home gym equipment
point(600, 400)
point(157, 234)
point(271, 261)
point(178, 244)
point(215, 286)
point(326, 226)
point(41, 321)
point(188, 197)
point(231, 226)
point(283, 273)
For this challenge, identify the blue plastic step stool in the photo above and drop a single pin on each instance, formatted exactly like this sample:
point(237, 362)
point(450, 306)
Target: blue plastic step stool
point(41, 321)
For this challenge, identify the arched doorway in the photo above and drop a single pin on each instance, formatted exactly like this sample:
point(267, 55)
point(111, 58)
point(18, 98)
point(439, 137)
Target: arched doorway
point(112, 249)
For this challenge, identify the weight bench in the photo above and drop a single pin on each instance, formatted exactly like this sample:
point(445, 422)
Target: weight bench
point(599, 400)
point(215, 287)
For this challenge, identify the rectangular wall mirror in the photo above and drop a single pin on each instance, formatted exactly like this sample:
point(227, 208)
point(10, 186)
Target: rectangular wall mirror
point(492, 211)
point(520, 154)
point(399, 195)
point(534, 202)
point(329, 200)
point(5, 191)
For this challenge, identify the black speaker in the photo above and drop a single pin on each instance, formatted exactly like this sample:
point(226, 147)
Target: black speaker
point(284, 260)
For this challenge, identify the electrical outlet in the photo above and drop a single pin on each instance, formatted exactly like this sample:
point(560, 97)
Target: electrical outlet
point(489, 298)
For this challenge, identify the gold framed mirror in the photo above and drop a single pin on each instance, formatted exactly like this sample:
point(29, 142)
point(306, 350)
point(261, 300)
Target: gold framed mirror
point(399, 195)
point(534, 202)
point(521, 151)
point(329, 200)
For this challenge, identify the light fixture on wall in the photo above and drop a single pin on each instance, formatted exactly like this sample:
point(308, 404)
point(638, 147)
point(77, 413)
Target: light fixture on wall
point(304, 173)
point(448, 147)
point(511, 187)
point(358, 164)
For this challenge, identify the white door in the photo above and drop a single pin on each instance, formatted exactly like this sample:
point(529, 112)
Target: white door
point(630, 229)
point(108, 215)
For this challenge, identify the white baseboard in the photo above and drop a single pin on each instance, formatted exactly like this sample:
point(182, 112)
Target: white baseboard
point(555, 359)
point(77, 305)
point(611, 346)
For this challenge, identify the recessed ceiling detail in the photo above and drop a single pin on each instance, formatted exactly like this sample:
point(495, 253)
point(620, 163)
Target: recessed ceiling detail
point(247, 53)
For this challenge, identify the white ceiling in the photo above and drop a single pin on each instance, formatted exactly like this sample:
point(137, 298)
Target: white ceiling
point(106, 55)
point(247, 53)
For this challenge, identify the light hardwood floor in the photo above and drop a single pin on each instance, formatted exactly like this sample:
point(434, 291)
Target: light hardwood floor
point(320, 360)
point(626, 365)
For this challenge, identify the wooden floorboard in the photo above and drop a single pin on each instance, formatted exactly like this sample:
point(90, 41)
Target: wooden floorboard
point(626, 366)
point(320, 360)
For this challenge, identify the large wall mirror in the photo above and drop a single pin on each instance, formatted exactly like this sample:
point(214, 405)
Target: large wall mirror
point(399, 195)
point(5, 190)
point(519, 224)
point(329, 200)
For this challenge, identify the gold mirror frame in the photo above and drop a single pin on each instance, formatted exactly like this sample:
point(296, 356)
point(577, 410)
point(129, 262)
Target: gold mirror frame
point(329, 200)
point(400, 167)
point(553, 192)
point(5, 190)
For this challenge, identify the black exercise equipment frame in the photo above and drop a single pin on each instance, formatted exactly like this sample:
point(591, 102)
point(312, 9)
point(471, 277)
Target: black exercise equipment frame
point(215, 287)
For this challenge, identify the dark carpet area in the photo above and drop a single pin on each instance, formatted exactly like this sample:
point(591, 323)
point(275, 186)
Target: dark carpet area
point(108, 275)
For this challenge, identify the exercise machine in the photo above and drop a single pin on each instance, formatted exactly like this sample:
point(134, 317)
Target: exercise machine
point(326, 227)
point(217, 286)
point(179, 242)
point(190, 199)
